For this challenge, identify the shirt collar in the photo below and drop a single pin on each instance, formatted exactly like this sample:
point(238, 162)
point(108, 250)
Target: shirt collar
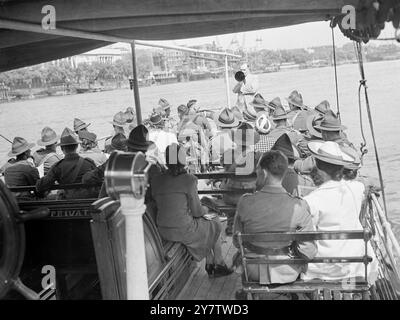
point(273, 189)
point(71, 156)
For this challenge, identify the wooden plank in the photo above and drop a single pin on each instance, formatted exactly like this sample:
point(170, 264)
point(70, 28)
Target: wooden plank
point(189, 291)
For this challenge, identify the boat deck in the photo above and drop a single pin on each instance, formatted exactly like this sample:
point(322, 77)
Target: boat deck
point(201, 287)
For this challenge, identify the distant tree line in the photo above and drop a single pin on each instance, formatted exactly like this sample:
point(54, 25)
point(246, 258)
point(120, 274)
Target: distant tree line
point(49, 74)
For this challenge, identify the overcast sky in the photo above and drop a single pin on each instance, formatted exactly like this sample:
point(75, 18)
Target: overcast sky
point(298, 36)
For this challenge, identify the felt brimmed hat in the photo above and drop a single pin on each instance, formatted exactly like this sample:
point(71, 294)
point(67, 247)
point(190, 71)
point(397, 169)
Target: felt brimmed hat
point(263, 125)
point(260, 103)
point(249, 113)
point(139, 138)
point(87, 136)
point(156, 119)
point(191, 103)
point(323, 107)
point(245, 135)
point(226, 119)
point(79, 124)
point(48, 137)
point(119, 119)
point(296, 99)
point(330, 152)
point(129, 115)
point(68, 137)
point(311, 122)
point(183, 109)
point(279, 113)
point(19, 146)
point(356, 164)
point(275, 103)
point(164, 104)
point(330, 122)
point(284, 145)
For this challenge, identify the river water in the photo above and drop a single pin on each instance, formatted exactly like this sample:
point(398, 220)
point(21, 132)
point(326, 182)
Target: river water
point(27, 118)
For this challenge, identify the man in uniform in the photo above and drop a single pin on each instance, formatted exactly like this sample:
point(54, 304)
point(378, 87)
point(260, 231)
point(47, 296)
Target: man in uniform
point(331, 130)
point(298, 111)
point(46, 157)
point(279, 118)
point(272, 209)
point(119, 123)
point(68, 170)
point(292, 182)
point(21, 172)
point(79, 125)
point(170, 123)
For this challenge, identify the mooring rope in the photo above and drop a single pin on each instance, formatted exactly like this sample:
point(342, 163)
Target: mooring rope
point(363, 84)
point(335, 68)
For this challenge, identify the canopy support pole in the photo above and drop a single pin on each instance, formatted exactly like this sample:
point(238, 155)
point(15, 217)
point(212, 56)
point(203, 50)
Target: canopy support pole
point(136, 267)
point(136, 85)
point(228, 99)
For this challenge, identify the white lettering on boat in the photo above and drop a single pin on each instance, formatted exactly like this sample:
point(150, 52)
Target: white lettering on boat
point(49, 20)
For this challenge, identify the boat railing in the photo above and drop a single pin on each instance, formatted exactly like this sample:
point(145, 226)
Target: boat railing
point(200, 176)
point(257, 256)
point(386, 248)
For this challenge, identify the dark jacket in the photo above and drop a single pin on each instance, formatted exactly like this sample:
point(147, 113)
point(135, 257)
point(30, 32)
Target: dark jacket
point(62, 172)
point(21, 173)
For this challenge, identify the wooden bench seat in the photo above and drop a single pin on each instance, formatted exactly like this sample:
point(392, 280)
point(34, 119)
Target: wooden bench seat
point(357, 288)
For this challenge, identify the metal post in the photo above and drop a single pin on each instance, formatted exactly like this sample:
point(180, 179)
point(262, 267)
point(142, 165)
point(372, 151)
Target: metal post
point(136, 85)
point(136, 268)
point(228, 99)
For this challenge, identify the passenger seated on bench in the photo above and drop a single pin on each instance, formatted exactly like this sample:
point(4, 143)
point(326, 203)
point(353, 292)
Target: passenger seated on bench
point(180, 215)
point(336, 206)
point(273, 209)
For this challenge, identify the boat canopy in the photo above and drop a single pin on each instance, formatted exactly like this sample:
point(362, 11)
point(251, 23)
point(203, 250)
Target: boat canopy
point(146, 20)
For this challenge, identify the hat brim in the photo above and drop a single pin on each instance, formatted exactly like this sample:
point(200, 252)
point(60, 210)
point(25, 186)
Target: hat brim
point(301, 106)
point(331, 129)
point(220, 124)
point(118, 124)
point(67, 144)
point(139, 146)
point(310, 127)
point(261, 106)
point(48, 143)
point(314, 146)
point(25, 148)
point(283, 117)
point(82, 126)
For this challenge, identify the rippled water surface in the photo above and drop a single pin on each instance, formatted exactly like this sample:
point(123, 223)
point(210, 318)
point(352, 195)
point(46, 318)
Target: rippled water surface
point(27, 118)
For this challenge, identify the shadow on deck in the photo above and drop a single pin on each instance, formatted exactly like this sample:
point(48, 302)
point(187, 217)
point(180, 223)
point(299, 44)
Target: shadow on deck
point(201, 287)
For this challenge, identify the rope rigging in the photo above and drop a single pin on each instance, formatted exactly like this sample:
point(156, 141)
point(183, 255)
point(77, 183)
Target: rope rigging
point(332, 25)
point(363, 85)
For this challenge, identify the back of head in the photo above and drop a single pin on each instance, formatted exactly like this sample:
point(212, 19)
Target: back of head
point(331, 171)
point(118, 142)
point(275, 163)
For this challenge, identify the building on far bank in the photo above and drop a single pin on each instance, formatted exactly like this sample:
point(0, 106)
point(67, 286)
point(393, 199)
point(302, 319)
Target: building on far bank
point(108, 54)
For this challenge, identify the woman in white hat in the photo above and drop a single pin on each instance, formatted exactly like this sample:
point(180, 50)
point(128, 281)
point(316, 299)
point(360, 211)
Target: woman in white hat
point(335, 206)
point(21, 172)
